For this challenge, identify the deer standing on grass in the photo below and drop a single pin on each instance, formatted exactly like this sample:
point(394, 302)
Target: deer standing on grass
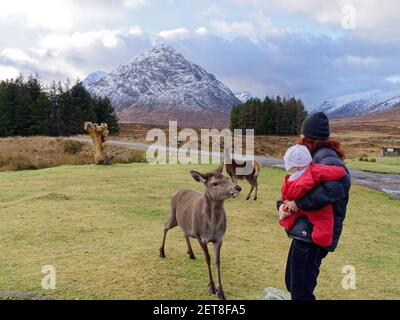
point(231, 168)
point(202, 216)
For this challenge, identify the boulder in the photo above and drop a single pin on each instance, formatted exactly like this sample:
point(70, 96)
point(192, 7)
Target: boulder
point(274, 294)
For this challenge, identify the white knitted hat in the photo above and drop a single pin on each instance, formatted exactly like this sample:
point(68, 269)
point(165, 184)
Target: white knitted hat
point(297, 156)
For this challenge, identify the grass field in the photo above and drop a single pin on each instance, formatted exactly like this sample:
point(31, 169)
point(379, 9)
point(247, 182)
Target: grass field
point(382, 165)
point(101, 227)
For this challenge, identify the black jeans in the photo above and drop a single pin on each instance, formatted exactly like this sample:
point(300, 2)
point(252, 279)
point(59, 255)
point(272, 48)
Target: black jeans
point(302, 269)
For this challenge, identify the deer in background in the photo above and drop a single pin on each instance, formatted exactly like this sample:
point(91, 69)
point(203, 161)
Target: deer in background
point(202, 216)
point(232, 165)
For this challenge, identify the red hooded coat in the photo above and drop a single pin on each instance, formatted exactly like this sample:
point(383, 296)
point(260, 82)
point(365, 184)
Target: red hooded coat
point(322, 219)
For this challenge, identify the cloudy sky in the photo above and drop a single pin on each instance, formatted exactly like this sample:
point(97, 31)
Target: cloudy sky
point(313, 49)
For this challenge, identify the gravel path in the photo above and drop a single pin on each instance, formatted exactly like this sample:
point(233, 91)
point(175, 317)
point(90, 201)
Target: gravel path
point(388, 183)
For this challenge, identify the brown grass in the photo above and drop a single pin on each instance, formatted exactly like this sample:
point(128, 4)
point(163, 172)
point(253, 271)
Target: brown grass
point(359, 136)
point(21, 153)
point(387, 123)
point(264, 145)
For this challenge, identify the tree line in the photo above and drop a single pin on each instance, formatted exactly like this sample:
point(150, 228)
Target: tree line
point(28, 108)
point(274, 116)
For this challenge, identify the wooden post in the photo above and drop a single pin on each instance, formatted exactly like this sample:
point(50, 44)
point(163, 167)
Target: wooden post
point(99, 134)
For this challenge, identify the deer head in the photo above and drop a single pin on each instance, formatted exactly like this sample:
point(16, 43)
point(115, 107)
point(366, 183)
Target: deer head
point(218, 187)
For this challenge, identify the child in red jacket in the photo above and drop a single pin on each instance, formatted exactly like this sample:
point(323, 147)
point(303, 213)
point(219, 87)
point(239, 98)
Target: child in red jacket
point(305, 177)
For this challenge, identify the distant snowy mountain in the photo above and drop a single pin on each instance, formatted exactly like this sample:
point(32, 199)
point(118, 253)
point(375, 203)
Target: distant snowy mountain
point(162, 78)
point(243, 96)
point(93, 77)
point(361, 103)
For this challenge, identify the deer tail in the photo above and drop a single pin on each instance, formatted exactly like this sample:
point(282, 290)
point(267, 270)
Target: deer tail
point(257, 168)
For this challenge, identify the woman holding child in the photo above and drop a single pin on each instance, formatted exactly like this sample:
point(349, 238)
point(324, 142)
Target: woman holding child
point(313, 204)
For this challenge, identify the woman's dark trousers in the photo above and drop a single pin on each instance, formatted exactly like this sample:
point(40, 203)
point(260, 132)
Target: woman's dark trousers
point(302, 269)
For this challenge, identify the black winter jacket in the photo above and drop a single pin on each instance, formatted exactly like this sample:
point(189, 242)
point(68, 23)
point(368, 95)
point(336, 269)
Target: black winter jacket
point(334, 192)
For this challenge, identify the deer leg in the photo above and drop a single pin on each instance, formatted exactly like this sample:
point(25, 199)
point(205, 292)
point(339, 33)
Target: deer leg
point(190, 250)
point(162, 248)
point(255, 197)
point(252, 183)
point(211, 284)
point(251, 190)
point(170, 224)
point(217, 253)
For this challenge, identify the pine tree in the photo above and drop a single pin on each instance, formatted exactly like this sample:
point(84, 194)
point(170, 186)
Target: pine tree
point(55, 116)
point(23, 108)
point(275, 116)
point(268, 118)
point(81, 107)
point(301, 115)
point(26, 108)
point(105, 113)
point(40, 107)
point(4, 110)
point(234, 122)
point(9, 97)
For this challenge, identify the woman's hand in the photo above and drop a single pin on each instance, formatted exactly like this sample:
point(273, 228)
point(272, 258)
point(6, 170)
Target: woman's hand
point(283, 214)
point(292, 206)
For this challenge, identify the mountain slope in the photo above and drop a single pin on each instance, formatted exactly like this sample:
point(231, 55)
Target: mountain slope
point(361, 103)
point(163, 79)
point(386, 122)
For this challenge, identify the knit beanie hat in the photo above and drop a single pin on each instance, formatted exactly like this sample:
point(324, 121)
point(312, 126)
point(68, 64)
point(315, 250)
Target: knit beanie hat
point(297, 156)
point(316, 126)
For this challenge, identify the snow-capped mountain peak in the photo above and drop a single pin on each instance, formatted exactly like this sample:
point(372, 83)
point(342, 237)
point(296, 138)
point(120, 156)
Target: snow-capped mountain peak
point(162, 77)
point(94, 76)
point(361, 103)
point(243, 96)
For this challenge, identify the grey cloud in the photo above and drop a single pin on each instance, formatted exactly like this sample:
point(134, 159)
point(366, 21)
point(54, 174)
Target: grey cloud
point(310, 67)
point(313, 68)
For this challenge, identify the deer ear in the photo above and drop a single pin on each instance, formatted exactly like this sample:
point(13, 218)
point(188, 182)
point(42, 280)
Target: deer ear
point(221, 168)
point(198, 176)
